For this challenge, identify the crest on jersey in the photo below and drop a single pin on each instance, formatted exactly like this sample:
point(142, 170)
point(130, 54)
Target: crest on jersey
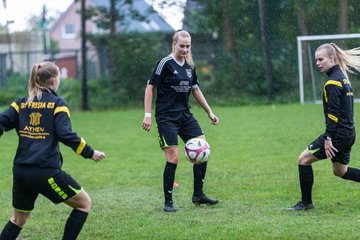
point(189, 72)
point(35, 118)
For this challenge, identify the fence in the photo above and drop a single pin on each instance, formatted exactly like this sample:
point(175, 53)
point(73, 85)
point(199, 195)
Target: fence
point(69, 62)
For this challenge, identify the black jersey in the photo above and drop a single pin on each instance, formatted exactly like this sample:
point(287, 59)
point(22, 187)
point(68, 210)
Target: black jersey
point(338, 104)
point(40, 125)
point(174, 83)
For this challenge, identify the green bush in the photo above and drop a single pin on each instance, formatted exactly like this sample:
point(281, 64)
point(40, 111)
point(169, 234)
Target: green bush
point(130, 57)
point(70, 90)
point(101, 96)
point(16, 88)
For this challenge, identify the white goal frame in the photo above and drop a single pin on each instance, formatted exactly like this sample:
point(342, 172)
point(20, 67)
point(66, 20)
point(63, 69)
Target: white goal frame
point(300, 39)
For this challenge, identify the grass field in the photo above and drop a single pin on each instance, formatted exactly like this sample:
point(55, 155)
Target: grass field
point(252, 170)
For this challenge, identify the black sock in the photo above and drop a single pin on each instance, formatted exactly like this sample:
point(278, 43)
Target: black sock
point(306, 182)
point(352, 174)
point(199, 171)
point(10, 231)
point(74, 224)
point(169, 178)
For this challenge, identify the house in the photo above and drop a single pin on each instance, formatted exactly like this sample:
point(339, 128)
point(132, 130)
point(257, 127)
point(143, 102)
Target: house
point(66, 31)
point(19, 51)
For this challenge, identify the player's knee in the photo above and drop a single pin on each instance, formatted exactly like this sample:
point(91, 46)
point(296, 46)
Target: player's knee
point(306, 158)
point(18, 222)
point(338, 172)
point(302, 160)
point(87, 203)
point(84, 203)
point(173, 160)
point(19, 219)
point(172, 155)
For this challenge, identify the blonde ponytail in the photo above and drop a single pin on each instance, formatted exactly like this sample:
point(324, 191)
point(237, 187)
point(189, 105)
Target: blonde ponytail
point(40, 79)
point(348, 59)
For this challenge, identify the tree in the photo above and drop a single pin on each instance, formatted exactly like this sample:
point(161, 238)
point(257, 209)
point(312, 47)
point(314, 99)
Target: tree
point(222, 21)
point(112, 38)
point(240, 36)
point(343, 19)
point(108, 17)
point(343, 16)
point(84, 88)
point(35, 21)
point(301, 9)
point(227, 23)
point(266, 48)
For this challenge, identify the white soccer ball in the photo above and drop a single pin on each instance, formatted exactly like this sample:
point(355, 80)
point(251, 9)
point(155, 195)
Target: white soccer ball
point(197, 150)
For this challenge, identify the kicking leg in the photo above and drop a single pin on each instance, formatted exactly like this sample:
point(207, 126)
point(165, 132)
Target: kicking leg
point(345, 172)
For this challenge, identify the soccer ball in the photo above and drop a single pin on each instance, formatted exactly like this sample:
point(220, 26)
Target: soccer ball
point(197, 150)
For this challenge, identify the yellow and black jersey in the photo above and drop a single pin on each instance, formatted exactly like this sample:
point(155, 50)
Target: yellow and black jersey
point(338, 103)
point(41, 125)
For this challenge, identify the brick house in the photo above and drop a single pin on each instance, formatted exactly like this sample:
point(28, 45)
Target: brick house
point(66, 32)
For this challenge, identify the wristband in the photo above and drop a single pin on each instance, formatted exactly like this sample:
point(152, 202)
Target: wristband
point(328, 138)
point(148, 115)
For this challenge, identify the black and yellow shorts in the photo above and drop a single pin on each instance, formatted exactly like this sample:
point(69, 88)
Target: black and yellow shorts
point(173, 124)
point(29, 182)
point(342, 144)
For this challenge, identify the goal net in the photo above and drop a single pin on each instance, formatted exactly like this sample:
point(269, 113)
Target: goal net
point(311, 81)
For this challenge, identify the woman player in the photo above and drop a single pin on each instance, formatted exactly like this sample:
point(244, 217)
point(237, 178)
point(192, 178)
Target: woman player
point(42, 120)
point(175, 78)
point(339, 135)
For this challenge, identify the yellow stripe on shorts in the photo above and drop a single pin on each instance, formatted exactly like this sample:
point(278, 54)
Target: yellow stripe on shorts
point(314, 150)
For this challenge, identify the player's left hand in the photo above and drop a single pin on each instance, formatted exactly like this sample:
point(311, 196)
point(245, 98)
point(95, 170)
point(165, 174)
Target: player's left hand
point(98, 156)
point(214, 119)
point(330, 150)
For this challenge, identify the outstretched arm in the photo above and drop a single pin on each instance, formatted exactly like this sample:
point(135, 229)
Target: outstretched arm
point(9, 117)
point(98, 156)
point(199, 96)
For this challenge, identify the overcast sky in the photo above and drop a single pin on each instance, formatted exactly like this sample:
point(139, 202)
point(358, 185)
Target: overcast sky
point(20, 11)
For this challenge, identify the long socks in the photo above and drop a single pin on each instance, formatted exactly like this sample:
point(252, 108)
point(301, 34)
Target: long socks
point(306, 182)
point(199, 171)
point(74, 224)
point(169, 177)
point(352, 174)
point(10, 231)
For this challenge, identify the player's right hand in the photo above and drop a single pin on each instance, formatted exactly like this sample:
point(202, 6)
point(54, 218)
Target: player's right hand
point(98, 156)
point(330, 150)
point(146, 124)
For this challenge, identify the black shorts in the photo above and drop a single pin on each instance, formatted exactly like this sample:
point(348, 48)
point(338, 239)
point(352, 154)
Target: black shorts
point(343, 145)
point(29, 182)
point(173, 124)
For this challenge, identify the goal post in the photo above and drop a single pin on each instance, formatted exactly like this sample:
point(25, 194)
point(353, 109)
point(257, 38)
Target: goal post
point(300, 40)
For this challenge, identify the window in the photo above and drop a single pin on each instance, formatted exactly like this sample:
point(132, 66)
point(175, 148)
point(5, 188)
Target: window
point(151, 25)
point(68, 31)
